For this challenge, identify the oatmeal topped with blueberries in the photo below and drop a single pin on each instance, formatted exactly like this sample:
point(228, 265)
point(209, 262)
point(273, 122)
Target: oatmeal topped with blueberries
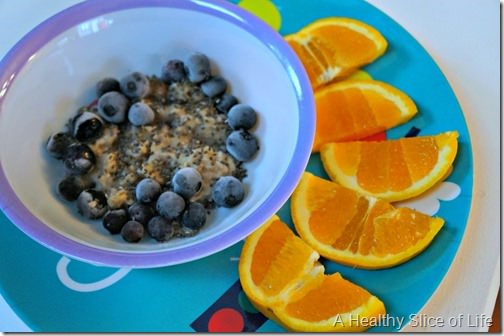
point(153, 155)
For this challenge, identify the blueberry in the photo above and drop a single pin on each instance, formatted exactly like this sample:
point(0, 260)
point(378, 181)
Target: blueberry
point(87, 126)
point(71, 186)
point(186, 182)
point(242, 145)
point(79, 159)
point(170, 205)
point(194, 216)
point(225, 102)
point(160, 228)
point(147, 190)
point(141, 212)
point(140, 114)
point(198, 67)
point(213, 87)
point(228, 192)
point(135, 85)
point(114, 220)
point(92, 203)
point(58, 143)
point(242, 116)
point(107, 84)
point(113, 106)
point(173, 71)
point(132, 231)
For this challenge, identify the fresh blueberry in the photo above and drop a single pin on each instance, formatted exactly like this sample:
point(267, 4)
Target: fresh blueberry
point(71, 187)
point(228, 192)
point(141, 212)
point(194, 216)
point(92, 203)
point(242, 145)
point(198, 67)
point(87, 126)
point(173, 71)
point(107, 84)
point(132, 231)
point(186, 182)
point(170, 205)
point(113, 106)
point(58, 143)
point(147, 190)
point(242, 116)
point(213, 87)
point(140, 114)
point(114, 220)
point(160, 228)
point(225, 102)
point(79, 159)
point(135, 85)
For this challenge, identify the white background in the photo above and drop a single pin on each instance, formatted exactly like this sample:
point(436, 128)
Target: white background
point(463, 37)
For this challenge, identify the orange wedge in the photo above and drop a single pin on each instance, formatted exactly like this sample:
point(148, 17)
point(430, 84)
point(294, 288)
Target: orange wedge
point(282, 278)
point(392, 170)
point(358, 230)
point(273, 262)
point(330, 304)
point(335, 47)
point(354, 109)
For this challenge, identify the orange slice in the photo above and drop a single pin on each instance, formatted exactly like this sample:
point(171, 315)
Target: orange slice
point(282, 278)
point(392, 170)
point(274, 261)
point(330, 304)
point(354, 109)
point(358, 230)
point(335, 47)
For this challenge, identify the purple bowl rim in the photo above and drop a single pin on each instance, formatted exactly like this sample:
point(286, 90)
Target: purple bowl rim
point(18, 56)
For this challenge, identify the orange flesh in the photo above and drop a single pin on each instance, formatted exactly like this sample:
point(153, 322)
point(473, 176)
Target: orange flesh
point(267, 249)
point(420, 155)
point(384, 110)
point(347, 157)
point(327, 221)
point(387, 165)
point(399, 230)
point(351, 50)
point(373, 171)
point(279, 257)
point(367, 239)
point(351, 113)
point(364, 122)
point(334, 49)
point(316, 47)
point(335, 295)
point(398, 170)
point(346, 221)
point(353, 228)
point(310, 64)
point(334, 120)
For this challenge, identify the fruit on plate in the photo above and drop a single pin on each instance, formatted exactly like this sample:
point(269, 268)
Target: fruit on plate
point(335, 47)
point(281, 276)
point(358, 230)
point(357, 108)
point(273, 262)
point(393, 170)
point(330, 303)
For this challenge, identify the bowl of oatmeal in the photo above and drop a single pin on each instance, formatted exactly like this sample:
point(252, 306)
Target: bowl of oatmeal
point(65, 77)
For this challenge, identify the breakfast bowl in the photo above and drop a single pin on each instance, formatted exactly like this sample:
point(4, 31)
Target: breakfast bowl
point(52, 72)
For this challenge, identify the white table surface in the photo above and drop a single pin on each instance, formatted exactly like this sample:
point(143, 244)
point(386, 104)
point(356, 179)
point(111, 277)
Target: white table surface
point(463, 37)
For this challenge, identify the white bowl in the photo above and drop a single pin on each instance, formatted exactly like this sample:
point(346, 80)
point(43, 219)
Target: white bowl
point(52, 71)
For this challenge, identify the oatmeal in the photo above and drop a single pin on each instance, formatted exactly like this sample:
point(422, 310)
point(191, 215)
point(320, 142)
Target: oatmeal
point(190, 134)
point(152, 149)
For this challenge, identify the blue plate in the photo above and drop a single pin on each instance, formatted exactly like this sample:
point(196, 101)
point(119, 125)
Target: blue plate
point(52, 293)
